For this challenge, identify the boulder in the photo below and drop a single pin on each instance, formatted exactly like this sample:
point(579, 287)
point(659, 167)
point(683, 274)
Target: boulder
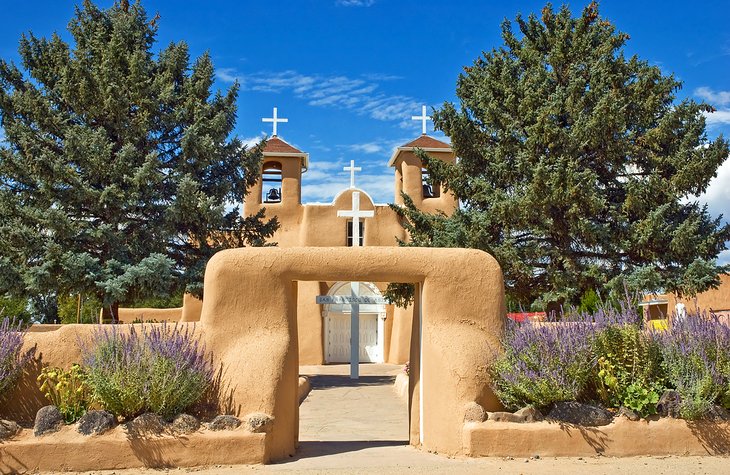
point(8, 429)
point(185, 424)
point(530, 414)
point(574, 412)
point(96, 422)
point(258, 422)
point(669, 404)
point(224, 422)
point(48, 419)
point(526, 414)
point(629, 414)
point(474, 412)
point(501, 416)
point(147, 423)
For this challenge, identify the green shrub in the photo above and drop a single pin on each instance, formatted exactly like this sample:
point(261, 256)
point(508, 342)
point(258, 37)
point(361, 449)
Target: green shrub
point(628, 371)
point(161, 369)
point(67, 390)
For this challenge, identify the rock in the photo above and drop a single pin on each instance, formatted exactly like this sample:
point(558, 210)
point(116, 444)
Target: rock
point(147, 423)
point(526, 414)
point(474, 412)
point(669, 404)
point(224, 422)
point(258, 422)
point(717, 413)
point(529, 414)
point(185, 424)
point(96, 422)
point(500, 416)
point(8, 429)
point(48, 419)
point(629, 414)
point(581, 414)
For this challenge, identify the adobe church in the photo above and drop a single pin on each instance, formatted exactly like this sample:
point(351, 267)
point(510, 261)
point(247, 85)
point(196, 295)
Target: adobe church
point(351, 219)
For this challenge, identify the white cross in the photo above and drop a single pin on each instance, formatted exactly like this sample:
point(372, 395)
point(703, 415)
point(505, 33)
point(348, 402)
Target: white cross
point(352, 169)
point(355, 213)
point(423, 118)
point(275, 120)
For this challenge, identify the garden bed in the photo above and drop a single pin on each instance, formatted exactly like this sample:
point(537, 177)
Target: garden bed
point(67, 450)
point(622, 438)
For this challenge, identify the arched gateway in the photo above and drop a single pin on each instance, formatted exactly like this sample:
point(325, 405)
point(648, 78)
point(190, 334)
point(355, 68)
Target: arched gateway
point(249, 321)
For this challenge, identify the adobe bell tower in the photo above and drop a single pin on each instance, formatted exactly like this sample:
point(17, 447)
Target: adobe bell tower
point(280, 184)
point(411, 176)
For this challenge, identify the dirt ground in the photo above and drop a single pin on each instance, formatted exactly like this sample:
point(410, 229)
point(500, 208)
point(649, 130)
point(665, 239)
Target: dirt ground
point(442, 465)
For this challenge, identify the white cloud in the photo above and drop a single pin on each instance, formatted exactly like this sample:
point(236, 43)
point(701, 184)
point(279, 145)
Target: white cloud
point(355, 3)
point(719, 117)
point(370, 147)
point(724, 257)
point(715, 98)
point(252, 141)
point(360, 95)
point(717, 195)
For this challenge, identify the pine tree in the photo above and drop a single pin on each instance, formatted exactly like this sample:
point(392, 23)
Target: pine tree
point(578, 169)
point(117, 165)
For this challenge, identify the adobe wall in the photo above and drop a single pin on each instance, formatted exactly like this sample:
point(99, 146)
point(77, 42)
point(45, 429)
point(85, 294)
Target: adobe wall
point(250, 311)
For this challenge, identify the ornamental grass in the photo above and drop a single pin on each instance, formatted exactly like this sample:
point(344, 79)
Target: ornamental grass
point(159, 369)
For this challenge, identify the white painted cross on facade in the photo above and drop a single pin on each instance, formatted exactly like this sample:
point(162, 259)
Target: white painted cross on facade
point(275, 120)
point(352, 169)
point(423, 118)
point(355, 299)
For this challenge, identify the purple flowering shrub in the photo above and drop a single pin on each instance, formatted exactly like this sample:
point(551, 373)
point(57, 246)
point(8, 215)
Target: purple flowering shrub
point(543, 363)
point(696, 359)
point(12, 356)
point(159, 369)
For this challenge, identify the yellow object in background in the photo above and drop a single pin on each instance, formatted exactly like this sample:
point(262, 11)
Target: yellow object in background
point(659, 324)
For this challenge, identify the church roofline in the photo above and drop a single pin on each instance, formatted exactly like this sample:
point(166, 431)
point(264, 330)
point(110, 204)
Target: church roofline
point(280, 148)
point(397, 152)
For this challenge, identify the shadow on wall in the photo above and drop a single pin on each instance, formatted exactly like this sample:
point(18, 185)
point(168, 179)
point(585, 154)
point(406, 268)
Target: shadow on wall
point(713, 436)
point(594, 437)
point(218, 398)
point(25, 394)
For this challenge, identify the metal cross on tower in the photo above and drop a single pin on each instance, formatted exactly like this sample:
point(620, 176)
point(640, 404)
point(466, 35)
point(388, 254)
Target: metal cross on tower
point(352, 169)
point(275, 120)
point(423, 118)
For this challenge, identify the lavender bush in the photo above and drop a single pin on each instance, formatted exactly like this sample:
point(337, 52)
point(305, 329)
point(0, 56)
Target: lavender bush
point(543, 363)
point(696, 359)
point(159, 369)
point(12, 356)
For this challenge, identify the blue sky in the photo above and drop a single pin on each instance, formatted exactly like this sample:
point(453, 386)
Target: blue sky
point(349, 74)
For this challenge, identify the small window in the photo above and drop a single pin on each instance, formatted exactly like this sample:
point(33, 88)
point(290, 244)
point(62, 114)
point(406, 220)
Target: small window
point(349, 233)
point(271, 183)
point(429, 191)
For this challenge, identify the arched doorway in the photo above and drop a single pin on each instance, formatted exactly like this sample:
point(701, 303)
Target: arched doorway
point(337, 326)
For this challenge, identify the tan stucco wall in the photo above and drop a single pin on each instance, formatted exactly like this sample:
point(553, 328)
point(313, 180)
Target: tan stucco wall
point(621, 438)
point(249, 319)
point(713, 300)
point(129, 315)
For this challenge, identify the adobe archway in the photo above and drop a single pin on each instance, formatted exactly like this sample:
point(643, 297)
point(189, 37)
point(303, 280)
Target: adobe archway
point(249, 321)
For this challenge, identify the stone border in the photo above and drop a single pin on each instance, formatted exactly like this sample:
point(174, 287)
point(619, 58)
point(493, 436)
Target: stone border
point(67, 450)
point(621, 438)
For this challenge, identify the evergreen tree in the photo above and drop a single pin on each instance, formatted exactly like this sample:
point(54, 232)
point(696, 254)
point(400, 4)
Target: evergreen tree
point(117, 164)
point(577, 168)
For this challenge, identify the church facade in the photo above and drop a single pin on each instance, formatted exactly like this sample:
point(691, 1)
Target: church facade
point(351, 219)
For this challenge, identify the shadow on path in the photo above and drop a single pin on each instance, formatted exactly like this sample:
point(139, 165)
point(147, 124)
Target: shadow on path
point(313, 449)
point(323, 381)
